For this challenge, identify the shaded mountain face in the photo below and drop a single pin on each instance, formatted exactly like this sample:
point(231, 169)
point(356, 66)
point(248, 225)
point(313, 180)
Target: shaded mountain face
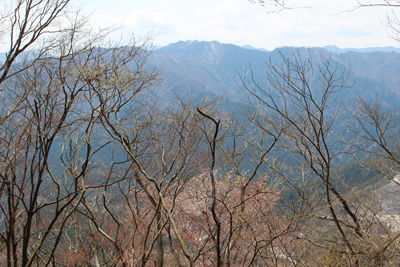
point(212, 69)
point(206, 68)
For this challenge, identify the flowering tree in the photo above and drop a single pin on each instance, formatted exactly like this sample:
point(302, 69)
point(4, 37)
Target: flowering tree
point(250, 229)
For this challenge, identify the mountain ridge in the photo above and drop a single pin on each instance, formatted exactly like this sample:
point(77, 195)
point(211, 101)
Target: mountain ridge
point(331, 48)
point(213, 69)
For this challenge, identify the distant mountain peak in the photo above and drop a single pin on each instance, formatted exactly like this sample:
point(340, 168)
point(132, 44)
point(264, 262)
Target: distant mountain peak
point(214, 46)
point(336, 50)
point(253, 48)
point(191, 42)
point(204, 49)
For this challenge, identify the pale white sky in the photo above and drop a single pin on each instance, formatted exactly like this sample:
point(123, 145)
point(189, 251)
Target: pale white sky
point(240, 22)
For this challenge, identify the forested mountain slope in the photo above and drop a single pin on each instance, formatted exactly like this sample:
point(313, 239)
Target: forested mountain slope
point(214, 69)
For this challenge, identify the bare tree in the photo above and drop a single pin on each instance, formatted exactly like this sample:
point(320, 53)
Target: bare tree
point(164, 151)
point(376, 131)
point(302, 108)
point(279, 5)
point(392, 21)
point(28, 25)
point(50, 142)
point(378, 3)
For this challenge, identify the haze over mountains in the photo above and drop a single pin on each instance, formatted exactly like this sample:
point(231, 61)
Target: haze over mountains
point(213, 69)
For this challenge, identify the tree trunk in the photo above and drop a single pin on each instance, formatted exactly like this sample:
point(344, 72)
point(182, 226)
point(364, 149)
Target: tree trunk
point(160, 246)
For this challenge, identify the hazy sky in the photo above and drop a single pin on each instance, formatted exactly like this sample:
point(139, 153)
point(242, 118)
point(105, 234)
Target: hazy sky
point(240, 22)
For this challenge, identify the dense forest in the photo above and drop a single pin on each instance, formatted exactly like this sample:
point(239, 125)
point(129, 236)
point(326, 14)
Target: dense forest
point(96, 170)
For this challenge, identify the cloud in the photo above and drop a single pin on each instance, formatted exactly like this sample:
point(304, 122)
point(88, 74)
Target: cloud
point(140, 21)
point(351, 32)
point(239, 22)
point(221, 16)
point(146, 19)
